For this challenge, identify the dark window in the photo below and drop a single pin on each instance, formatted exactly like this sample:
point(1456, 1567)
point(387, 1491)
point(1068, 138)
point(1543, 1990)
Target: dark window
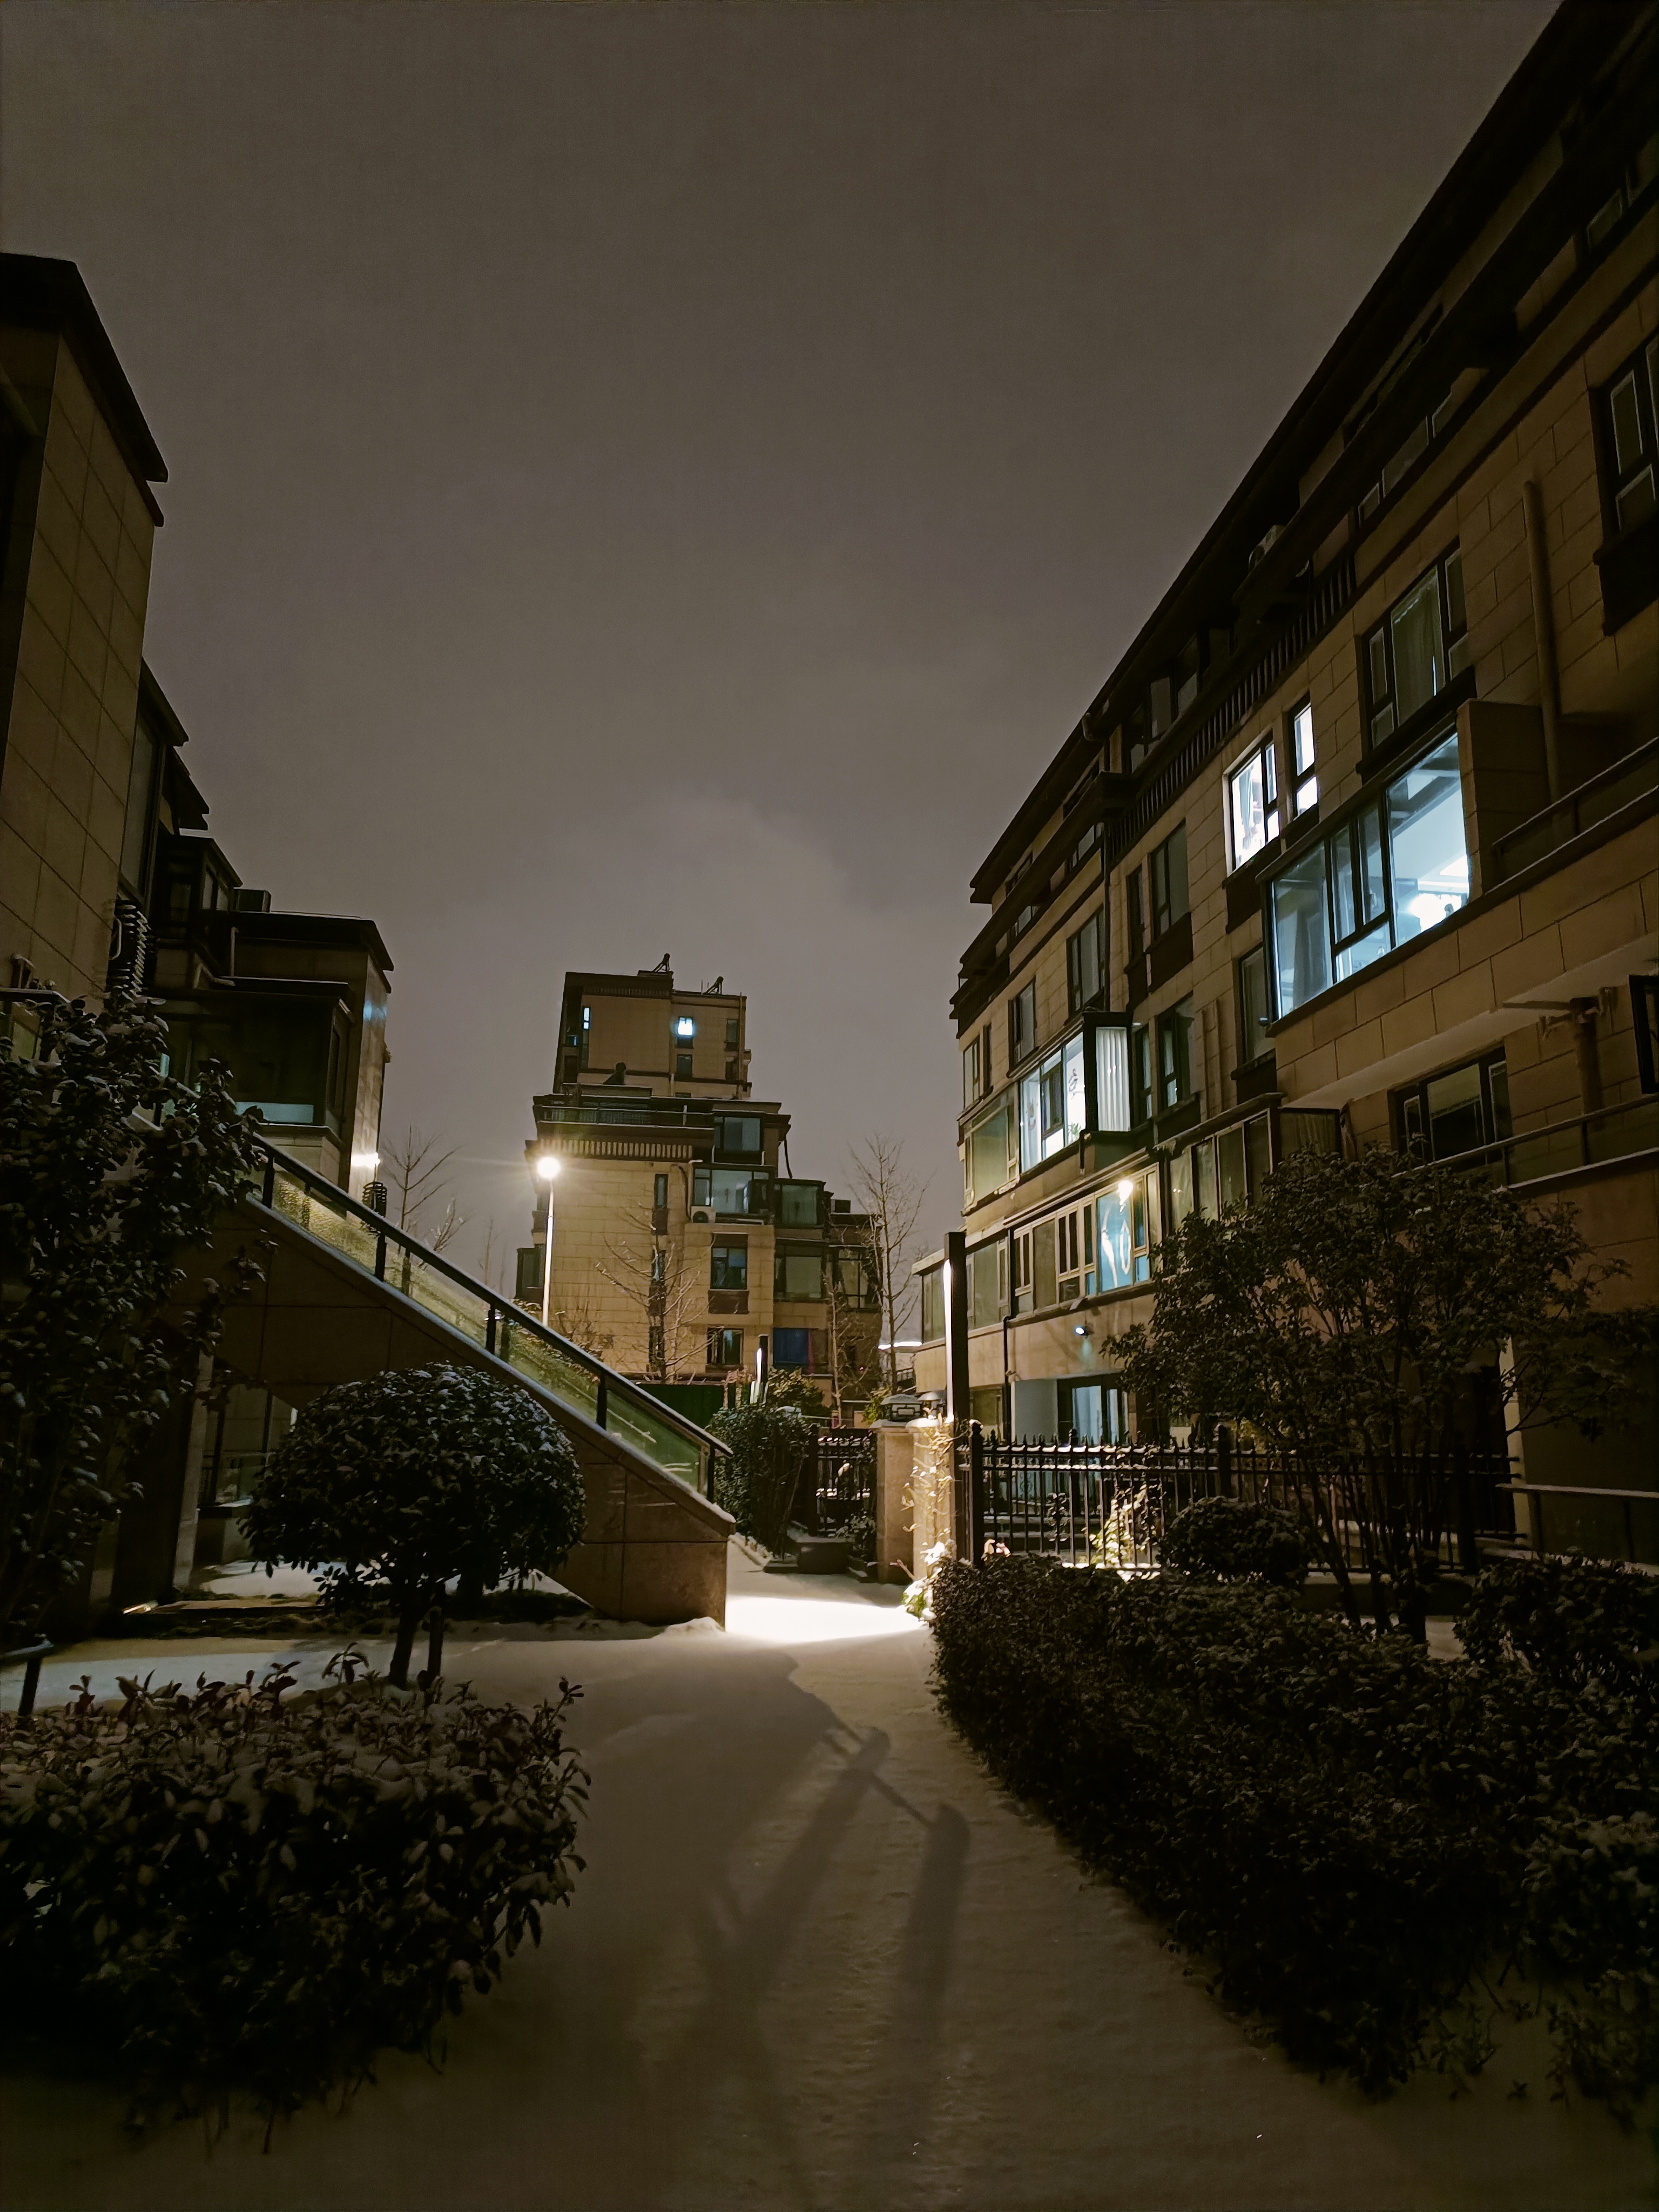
point(1185, 677)
point(1135, 747)
point(138, 837)
point(1167, 872)
point(1252, 1006)
point(798, 1205)
point(682, 1063)
point(659, 1190)
point(740, 1133)
point(1140, 1072)
point(725, 1347)
point(1175, 1056)
point(1022, 1024)
point(1418, 648)
point(793, 1348)
point(1633, 407)
point(1161, 701)
point(1137, 914)
point(970, 1073)
point(1085, 963)
point(587, 1031)
point(933, 1305)
point(728, 1266)
point(1457, 1111)
point(730, 1046)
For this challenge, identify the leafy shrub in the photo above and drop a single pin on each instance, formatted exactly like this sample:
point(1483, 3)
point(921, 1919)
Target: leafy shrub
point(241, 1888)
point(412, 1477)
point(768, 1445)
point(859, 1531)
point(1230, 1541)
point(1349, 1828)
point(1574, 1621)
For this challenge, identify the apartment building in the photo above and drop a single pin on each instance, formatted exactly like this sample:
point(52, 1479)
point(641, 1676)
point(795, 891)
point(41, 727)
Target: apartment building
point(107, 872)
point(681, 1236)
point(1356, 843)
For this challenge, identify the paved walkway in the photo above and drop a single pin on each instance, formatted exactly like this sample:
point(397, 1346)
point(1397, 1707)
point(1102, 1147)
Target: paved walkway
point(818, 1964)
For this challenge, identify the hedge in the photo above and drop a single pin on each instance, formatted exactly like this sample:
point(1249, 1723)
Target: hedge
point(1349, 1830)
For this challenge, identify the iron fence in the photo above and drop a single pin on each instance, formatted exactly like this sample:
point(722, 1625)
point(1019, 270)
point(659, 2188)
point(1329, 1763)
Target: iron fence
point(1109, 1504)
point(838, 1482)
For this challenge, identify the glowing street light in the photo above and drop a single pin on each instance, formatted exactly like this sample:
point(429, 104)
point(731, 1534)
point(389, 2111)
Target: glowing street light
point(547, 1167)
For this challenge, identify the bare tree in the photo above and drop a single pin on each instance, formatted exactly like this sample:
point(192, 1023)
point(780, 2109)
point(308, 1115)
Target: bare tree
point(492, 1268)
point(575, 1319)
point(419, 1178)
point(851, 1309)
point(648, 1266)
point(892, 1198)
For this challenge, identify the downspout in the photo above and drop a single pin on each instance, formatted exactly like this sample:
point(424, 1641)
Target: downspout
point(1543, 630)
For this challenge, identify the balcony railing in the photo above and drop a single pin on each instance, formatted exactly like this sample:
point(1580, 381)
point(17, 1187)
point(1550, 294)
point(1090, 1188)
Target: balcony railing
point(1601, 796)
point(569, 1375)
point(1590, 1140)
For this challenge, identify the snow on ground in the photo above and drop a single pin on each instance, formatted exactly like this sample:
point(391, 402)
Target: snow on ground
point(817, 1961)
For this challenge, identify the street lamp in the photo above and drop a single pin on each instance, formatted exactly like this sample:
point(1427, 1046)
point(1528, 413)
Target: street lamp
point(547, 1167)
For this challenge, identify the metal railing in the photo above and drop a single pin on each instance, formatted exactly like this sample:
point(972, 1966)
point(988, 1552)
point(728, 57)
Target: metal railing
point(1108, 1505)
point(1615, 1133)
point(1594, 800)
point(567, 1374)
point(838, 1482)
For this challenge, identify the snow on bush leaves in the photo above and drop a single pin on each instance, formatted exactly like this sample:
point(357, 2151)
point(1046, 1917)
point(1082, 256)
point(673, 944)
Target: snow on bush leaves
point(243, 1888)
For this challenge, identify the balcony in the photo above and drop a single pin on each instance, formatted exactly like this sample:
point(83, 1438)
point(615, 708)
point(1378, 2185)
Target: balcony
point(1617, 1133)
point(1625, 784)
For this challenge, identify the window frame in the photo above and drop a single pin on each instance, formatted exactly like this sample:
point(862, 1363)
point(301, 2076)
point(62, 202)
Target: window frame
point(716, 1337)
point(1254, 1045)
point(1161, 897)
point(1303, 783)
point(1640, 370)
point(1077, 999)
point(1175, 1027)
point(721, 1257)
point(1408, 1107)
point(1379, 673)
point(1021, 1045)
point(1263, 755)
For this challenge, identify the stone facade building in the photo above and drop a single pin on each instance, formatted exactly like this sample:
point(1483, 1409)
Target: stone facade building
point(1356, 844)
point(682, 1238)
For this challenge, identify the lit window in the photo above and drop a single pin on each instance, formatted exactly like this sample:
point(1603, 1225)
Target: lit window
point(1306, 782)
point(685, 1027)
point(1253, 803)
point(1052, 1109)
point(1417, 648)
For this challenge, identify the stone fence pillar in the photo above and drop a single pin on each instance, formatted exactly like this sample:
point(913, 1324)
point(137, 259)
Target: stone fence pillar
point(892, 1508)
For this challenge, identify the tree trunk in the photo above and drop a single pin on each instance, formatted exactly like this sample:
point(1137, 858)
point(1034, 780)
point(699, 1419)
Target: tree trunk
point(434, 1647)
point(408, 1618)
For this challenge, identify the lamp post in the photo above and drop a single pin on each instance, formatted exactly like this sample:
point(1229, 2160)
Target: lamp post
point(547, 1167)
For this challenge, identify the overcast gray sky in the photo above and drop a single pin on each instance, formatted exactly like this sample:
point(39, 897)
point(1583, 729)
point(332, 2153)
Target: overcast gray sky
point(666, 478)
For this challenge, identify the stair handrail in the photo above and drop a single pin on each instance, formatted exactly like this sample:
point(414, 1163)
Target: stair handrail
point(609, 1378)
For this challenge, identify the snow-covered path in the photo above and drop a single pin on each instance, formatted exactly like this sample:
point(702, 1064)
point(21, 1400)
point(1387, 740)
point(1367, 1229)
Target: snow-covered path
point(818, 1964)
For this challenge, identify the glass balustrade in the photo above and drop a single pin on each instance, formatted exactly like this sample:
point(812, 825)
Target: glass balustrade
point(539, 1355)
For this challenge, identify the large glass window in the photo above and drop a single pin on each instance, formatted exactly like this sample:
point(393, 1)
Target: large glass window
point(739, 1132)
point(1458, 1111)
point(1392, 869)
point(1052, 1109)
point(992, 1150)
point(1127, 1217)
point(1253, 803)
point(729, 1190)
point(1418, 648)
point(725, 1347)
point(728, 1266)
point(797, 1274)
point(793, 1348)
point(798, 1205)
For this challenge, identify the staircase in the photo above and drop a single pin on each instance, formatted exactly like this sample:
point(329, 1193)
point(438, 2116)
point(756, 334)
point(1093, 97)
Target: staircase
point(345, 1295)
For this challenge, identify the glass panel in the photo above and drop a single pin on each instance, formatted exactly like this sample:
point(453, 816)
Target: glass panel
point(987, 1153)
point(1076, 1103)
point(1418, 653)
point(1249, 810)
point(630, 1418)
point(798, 1206)
point(729, 1191)
point(1230, 1169)
point(1116, 1258)
point(1112, 1079)
point(1430, 863)
point(1203, 1158)
point(1174, 1049)
point(1258, 1151)
point(933, 1305)
point(1302, 952)
point(1345, 904)
point(1303, 738)
point(1053, 1096)
point(1141, 1049)
point(1626, 424)
point(1175, 848)
point(984, 1306)
point(1376, 648)
point(1498, 1076)
point(1416, 444)
point(561, 1374)
point(1381, 726)
point(1030, 1125)
point(1308, 1129)
point(799, 1274)
point(1181, 1188)
point(1636, 501)
point(1455, 615)
point(1456, 1122)
point(1361, 953)
point(1252, 1005)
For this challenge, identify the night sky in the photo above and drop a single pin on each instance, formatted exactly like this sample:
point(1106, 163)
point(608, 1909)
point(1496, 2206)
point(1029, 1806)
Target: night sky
point(664, 478)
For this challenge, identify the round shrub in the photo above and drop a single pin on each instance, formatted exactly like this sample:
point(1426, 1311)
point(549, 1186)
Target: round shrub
point(416, 1476)
point(1223, 1540)
point(241, 1889)
point(768, 1446)
point(1574, 1621)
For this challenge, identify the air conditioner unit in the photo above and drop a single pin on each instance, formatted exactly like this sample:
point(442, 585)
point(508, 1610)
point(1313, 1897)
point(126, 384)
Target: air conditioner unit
point(701, 1214)
point(1268, 542)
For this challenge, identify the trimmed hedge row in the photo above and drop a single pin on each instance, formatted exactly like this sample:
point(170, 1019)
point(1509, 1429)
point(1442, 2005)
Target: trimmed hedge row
point(241, 1888)
point(1351, 1830)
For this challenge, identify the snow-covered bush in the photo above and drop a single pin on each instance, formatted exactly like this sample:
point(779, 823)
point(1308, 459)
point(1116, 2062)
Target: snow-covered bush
point(243, 1888)
point(415, 1476)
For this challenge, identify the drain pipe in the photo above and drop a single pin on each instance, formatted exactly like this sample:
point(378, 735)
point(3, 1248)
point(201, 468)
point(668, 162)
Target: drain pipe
point(1582, 1014)
point(1543, 630)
